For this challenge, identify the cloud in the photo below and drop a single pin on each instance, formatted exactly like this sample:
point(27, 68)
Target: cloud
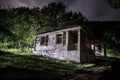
point(110, 15)
point(94, 10)
point(25, 3)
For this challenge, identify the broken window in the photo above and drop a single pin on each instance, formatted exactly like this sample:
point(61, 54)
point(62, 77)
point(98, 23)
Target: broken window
point(58, 38)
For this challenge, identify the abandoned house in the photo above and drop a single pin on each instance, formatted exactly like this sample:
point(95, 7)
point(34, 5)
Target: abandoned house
point(71, 43)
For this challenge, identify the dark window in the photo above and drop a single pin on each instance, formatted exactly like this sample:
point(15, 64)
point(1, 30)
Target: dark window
point(100, 48)
point(44, 40)
point(58, 38)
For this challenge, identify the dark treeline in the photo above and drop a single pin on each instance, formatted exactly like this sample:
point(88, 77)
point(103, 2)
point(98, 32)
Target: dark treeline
point(19, 25)
point(114, 3)
point(107, 32)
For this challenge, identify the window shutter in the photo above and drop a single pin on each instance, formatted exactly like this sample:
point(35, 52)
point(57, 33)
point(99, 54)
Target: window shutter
point(64, 38)
point(47, 40)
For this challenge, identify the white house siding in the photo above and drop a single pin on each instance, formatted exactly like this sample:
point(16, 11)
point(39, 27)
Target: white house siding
point(83, 53)
point(54, 50)
point(68, 55)
point(57, 51)
point(62, 55)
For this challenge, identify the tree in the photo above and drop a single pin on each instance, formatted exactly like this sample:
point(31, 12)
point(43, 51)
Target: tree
point(19, 25)
point(50, 16)
point(114, 3)
point(54, 16)
point(72, 18)
point(22, 26)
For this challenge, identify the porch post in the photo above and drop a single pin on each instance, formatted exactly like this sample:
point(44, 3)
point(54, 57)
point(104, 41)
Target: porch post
point(79, 40)
point(104, 50)
point(67, 35)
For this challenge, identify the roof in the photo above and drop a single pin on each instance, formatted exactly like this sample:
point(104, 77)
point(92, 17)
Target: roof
point(62, 28)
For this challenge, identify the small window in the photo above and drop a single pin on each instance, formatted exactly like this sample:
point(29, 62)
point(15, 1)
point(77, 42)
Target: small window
point(44, 40)
point(58, 38)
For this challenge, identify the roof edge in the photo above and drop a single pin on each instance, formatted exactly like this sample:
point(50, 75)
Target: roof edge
point(68, 27)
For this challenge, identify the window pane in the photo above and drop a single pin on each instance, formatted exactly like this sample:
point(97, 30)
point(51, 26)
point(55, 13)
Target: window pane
point(58, 38)
point(43, 41)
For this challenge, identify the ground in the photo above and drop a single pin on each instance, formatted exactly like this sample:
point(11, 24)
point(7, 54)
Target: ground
point(92, 73)
point(105, 69)
point(23, 67)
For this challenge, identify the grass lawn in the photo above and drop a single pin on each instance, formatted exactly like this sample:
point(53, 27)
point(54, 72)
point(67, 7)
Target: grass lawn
point(22, 67)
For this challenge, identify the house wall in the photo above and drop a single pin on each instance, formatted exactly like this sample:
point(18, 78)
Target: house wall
point(87, 51)
point(59, 51)
point(83, 53)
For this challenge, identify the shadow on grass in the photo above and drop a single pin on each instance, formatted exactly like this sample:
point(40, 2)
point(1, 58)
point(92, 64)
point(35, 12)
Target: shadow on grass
point(22, 67)
point(13, 73)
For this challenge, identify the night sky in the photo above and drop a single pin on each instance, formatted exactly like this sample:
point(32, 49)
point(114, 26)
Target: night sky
point(94, 10)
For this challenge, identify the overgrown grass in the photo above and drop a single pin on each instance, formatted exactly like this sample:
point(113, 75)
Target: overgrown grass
point(37, 67)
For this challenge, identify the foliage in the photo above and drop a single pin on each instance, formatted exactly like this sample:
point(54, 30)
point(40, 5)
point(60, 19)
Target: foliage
point(19, 25)
point(113, 53)
point(106, 32)
point(51, 15)
point(73, 18)
point(114, 3)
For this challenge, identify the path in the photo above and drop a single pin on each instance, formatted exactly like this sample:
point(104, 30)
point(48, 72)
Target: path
point(88, 74)
point(92, 73)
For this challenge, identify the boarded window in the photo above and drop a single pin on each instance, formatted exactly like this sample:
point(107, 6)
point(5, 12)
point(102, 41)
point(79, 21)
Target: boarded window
point(58, 38)
point(44, 40)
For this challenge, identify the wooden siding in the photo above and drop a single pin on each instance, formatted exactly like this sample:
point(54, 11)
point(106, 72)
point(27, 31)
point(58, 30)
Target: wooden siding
point(87, 54)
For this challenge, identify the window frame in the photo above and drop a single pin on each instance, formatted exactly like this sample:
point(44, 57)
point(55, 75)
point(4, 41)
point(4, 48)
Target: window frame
point(45, 40)
point(56, 40)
